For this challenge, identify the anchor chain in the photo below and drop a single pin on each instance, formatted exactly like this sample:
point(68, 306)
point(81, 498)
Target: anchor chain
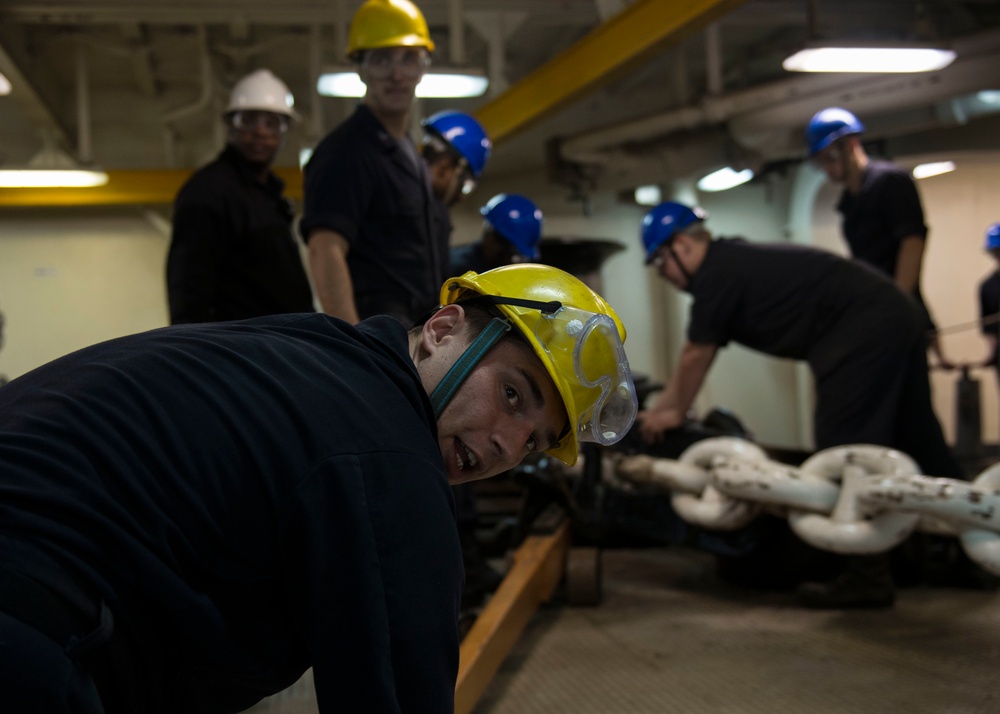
point(853, 499)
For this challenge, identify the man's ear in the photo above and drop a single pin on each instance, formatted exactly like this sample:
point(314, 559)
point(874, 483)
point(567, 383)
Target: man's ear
point(446, 324)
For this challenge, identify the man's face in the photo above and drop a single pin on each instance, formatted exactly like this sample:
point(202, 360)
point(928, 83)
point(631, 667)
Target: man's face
point(507, 408)
point(498, 250)
point(447, 176)
point(391, 76)
point(831, 161)
point(257, 135)
point(665, 262)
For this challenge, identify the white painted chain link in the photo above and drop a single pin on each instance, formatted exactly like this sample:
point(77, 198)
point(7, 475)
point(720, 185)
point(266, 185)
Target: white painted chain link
point(854, 499)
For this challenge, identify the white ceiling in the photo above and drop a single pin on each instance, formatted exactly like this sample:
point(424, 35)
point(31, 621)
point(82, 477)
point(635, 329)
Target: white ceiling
point(141, 83)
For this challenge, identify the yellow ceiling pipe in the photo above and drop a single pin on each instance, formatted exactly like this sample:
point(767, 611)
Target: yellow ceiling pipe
point(144, 187)
point(613, 48)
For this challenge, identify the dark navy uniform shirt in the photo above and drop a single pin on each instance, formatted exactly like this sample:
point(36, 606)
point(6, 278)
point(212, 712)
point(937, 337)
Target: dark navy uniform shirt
point(362, 184)
point(774, 298)
point(884, 211)
point(256, 497)
point(989, 304)
point(232, 253)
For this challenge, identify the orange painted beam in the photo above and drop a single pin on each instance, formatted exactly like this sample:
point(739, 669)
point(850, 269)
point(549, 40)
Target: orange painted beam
point(538, 567)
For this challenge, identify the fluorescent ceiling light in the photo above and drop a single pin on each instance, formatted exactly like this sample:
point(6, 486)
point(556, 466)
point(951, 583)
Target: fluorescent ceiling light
point(648, 195)
point(989, 96)
point(935, 168)
point(452, 85)
point(52, 168)
point(51, 178)
point(868, 59)
point(4, 85)
point(724, 179)
point(440, 83)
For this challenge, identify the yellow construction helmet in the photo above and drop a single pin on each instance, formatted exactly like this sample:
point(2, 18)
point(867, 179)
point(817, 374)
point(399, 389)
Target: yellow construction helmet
point(577, 336)
point(388, 23)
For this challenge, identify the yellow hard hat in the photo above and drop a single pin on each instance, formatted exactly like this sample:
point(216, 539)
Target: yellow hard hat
point(388, 23)
point(578, 337)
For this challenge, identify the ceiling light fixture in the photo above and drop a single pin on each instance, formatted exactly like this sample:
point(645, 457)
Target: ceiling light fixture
point(724, 179)
point(935, 168)
point(52, 168)
point(4, 85)
point(650, 195)
point(847, 57)
point(989, 96)
point(437, 83)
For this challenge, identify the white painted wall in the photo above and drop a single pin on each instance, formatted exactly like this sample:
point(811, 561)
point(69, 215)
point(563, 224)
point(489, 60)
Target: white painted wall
point(69, 279)
point(73, 278)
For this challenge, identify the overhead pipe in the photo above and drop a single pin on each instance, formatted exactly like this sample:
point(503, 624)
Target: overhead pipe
point(495, 28)
point(713, 59)
point(766, 119)
point(205, 72)
point(708, 110)
point(204, 97)
point(315, 126)
point(456, 33)
point(84, 149)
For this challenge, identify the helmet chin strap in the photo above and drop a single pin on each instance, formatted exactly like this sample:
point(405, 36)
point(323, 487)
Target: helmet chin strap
point(459, 371)
point(475, 352)
point(680, 265)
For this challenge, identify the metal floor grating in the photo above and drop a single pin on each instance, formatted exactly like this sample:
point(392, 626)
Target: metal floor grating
point(670, 638)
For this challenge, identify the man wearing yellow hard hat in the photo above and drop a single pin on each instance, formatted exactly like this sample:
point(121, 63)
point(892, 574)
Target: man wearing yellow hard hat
point(193, 516)
point(367, 217)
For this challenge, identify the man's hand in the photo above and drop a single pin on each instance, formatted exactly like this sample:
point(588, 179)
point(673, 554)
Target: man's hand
point(653, 423)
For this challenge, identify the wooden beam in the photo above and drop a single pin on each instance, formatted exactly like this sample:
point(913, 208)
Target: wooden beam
point(538, 567)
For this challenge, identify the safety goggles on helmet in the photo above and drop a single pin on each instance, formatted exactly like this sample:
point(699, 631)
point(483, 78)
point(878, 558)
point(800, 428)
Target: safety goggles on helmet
point(600, 382)
point(577, 336)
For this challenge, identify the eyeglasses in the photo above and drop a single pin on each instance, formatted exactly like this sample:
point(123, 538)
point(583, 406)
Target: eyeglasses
point(411, 63)
point(660, 256)
point(264, 121)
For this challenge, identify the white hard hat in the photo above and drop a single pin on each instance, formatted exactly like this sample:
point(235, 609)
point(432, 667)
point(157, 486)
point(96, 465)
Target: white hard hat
point(262, 91)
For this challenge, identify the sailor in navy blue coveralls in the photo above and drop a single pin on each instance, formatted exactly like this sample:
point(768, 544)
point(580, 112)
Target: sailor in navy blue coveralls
point(198, 514)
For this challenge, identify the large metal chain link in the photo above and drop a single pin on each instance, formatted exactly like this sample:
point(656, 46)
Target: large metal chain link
point(855, 499)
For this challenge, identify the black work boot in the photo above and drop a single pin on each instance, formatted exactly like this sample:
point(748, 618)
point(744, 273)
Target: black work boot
point(865, 582)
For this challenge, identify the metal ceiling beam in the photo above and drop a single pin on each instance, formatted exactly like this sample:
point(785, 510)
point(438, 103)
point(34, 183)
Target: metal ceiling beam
point(615, 47)
point(267, 12)
point(35, 108)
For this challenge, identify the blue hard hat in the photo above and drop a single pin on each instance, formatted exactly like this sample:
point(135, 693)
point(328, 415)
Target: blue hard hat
point(993, 236)
point(517, 219)
point(465, 135)
point(664, 221)
point(828, 125)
